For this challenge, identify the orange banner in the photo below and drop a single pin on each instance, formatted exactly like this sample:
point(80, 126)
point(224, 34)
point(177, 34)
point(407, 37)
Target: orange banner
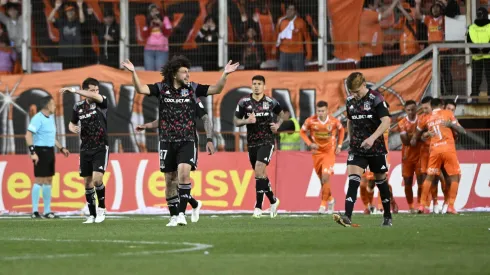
point(298, 91)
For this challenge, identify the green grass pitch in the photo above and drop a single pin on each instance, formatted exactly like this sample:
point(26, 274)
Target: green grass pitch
point(301, 244)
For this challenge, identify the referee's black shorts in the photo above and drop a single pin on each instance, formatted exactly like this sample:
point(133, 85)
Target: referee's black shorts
point(45, 165)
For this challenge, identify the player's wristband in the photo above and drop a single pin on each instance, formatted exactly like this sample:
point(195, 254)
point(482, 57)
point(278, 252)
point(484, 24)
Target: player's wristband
point(209, 140)
point(31, 149)
point(339, 146)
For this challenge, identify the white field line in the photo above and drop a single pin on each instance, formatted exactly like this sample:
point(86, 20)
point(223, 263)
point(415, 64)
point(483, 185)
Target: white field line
point(192, 247)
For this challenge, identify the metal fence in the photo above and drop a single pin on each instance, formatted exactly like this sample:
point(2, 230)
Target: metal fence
point(476, 139)
point(208, 31)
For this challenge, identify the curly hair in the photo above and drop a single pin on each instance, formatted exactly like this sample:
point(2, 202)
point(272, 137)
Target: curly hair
point(172, 67)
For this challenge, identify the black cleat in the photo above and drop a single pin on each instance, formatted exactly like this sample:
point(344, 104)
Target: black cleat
point(51, 215)
point(342, 220)
point(387, 222)
point(36, 215)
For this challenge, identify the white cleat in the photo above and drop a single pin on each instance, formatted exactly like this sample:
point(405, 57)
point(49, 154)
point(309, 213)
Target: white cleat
point(100, 215)
point(90, 219)
point(436, 209)
point(331, 206)
point(322, 210)
point(181, 219)
point(195, 212)
point(257, 213)
point(273, 209)
point(444, 209)
point(173, 222)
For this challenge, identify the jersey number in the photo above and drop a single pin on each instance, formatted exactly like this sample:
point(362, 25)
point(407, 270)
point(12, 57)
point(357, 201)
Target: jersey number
point(163, 154)
point(437, 131)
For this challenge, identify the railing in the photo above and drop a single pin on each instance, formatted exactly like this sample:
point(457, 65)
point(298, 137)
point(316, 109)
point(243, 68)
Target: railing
point(476, 139)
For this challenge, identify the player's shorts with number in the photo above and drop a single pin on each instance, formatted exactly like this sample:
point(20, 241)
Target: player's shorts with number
point(446, 159)
point(174, 153)
point(323, 163)
point(262, 153)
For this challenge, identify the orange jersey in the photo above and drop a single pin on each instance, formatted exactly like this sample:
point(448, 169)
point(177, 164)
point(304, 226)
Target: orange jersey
point(442, 139)
point(409, 128)
point(370, 33)
point(323, 133)
point(435, 29)
point(408, 42)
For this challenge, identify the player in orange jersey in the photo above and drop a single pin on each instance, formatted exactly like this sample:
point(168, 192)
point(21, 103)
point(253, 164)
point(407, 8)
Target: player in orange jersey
point(440, 126)
point(323, 141)
point(424, 158)
point(410, 154)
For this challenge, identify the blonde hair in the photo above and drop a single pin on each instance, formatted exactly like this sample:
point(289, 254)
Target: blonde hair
point(355, 81)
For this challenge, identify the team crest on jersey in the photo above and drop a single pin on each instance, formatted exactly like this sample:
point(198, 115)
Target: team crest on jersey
point(184, 92)
point(265, 106)
point(249, 107)
point(367, 106)
point(92, 106)
point(329, 127)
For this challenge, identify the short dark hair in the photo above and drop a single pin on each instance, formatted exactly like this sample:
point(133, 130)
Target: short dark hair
point(410, 102)
point(426, 99)
point(321, 103)
point(43, 103)
point(285, 109)
point(451, 102)
point(170, 68)
point(259, 78)
point(436, 102)
point(89, 81)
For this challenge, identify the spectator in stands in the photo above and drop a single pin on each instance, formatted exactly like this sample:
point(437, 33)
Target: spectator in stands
point(13, 22)
point(408, 39)
point(108, 34)
point(435, 32)
point(371, 35)
point(157, 30)
point(70, 51)
point(479, 33)
point(292, 38)
point(253, 52)
point(7, 55)
point(207, 40)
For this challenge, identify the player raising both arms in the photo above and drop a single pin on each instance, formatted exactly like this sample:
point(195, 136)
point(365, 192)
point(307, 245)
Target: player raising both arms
point(177, 128)
point(410, 154)
point(367, 119)
point(325, 144)
point(257, 112)
point(94, 150)
point(440, 125)
point(208, 127)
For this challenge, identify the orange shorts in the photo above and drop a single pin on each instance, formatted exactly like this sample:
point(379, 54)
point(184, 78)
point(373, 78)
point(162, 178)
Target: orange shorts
point(424, 161)
point(448, 160)
point(409, 168)
point(323, 163)
point(368, 175)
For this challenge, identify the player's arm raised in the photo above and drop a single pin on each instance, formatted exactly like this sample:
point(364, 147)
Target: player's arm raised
point(96, 97)
point(218, 87)
point(140, 88)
